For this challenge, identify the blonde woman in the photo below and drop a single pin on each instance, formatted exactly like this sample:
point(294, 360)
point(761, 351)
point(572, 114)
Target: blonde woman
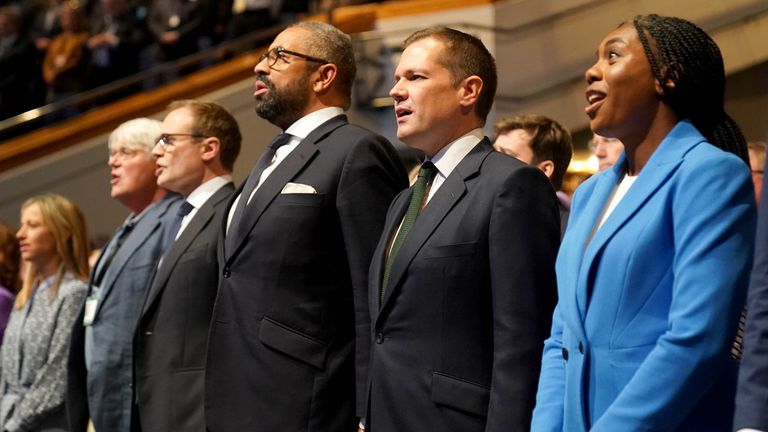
point(54, 253)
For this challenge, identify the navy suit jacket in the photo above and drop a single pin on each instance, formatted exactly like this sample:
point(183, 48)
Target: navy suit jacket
point(289, 340)
point(752, 396)
point(105, 391)
point(459, 334)
point(172, 332)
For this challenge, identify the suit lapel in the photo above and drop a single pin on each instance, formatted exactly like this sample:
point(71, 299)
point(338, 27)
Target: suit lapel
point(143, 230)
point(662, 164)
point(283, 173)
point(394, 218)
point(190, 233)
point(451, 191)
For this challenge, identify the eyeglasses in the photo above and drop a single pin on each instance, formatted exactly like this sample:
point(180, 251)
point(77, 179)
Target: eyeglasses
point(123, 153)
point(278, 53)
point(166, 141)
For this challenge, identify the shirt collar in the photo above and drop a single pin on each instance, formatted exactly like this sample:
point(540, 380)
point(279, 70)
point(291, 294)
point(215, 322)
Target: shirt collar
point(305, 125)
point(202, 193)
point(449, 156)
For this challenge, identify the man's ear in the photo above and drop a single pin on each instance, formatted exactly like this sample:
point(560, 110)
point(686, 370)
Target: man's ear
point(324, 76)
point(210, 148)
point(548, 167)
point(470, 88)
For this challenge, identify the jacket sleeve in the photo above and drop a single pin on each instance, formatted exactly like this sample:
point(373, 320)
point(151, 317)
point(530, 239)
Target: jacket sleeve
point(753, 374)
point(47, 392)
point(371, 177)
point(548, 414)
point(713, 222)
point(523, 238)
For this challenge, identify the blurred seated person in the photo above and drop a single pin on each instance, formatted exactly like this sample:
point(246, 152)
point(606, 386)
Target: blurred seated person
point(606, 150)
point(176, 26)
point(757, 165)
point(540, 141)
point(249, 16)
point(45, 23)
point(118, 34)
point(9, 273)
point(34, 353)
point(17, 65)
point(66, 61)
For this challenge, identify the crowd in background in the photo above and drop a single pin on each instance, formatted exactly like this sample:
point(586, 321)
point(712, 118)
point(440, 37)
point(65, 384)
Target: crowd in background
point(324, 294)
point(51, 49)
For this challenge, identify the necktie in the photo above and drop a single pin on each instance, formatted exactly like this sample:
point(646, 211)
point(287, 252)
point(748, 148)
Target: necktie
point(111, 250)
point(420, 192)
point(170, 234)
point(253, 181)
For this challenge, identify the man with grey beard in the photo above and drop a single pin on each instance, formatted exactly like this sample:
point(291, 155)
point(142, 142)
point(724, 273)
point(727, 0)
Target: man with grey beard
point(289, 339)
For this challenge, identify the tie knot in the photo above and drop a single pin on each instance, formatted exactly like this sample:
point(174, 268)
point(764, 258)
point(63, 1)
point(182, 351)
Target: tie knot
point(184, 209)
point(280, 140)
point(428, 170)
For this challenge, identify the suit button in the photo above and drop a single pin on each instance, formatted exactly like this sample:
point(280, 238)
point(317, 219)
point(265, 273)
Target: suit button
point(226, 273)
point(565, 354)
point(581, 347)
point(379, 338)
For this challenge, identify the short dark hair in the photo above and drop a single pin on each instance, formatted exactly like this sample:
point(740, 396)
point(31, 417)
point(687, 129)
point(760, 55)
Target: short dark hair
point(682, 53)
point(212, 120)
point(549, 141)
point(465, 56)
point(335, 46)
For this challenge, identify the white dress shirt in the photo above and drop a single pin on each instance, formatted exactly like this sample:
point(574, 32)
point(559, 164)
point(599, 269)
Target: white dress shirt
point(449, 157)
point(200, 196)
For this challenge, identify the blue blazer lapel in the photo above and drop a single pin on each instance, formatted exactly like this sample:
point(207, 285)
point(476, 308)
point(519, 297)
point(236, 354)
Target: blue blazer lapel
point(283, 173)
point(451, 191)
point(150, 222)
point(659, 168)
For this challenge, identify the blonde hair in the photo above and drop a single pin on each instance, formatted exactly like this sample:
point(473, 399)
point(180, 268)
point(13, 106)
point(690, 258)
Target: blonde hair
point(67, 225)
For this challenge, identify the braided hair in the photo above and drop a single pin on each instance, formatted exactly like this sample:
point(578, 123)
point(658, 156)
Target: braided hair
point(681, 53)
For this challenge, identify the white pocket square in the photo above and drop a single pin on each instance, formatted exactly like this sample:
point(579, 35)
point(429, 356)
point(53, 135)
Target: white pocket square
point(297, 188)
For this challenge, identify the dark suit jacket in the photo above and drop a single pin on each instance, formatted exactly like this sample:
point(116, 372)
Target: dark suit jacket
point(459, 334)
point(752, 395)
point(173, 328)
point(289, 338)
point(105, 392)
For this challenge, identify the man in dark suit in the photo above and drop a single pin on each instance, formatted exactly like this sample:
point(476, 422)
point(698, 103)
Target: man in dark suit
point(100, 381)
point(540, 141)
point(752, 395)
point(462, 283)
point(195, 156)
point(290, 333)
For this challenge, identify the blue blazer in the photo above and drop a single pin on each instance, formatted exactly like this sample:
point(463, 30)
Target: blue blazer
point(105, 391)
point(648, 307)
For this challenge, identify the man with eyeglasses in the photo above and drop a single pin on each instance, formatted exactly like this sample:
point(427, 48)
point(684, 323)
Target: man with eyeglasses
point(289, 340)
point(194, 156)
point(100, 381)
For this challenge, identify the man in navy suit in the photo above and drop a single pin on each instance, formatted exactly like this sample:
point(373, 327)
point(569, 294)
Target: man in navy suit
point(460, 297)
point(100, 382)
point(195, 156)
point(752, 396)
point(290, 333)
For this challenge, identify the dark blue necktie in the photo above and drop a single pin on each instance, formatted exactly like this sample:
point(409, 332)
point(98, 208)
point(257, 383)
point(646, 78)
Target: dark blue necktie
point(170, 234)
point(252, 182)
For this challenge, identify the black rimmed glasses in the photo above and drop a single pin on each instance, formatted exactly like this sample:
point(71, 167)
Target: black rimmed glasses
point(167, 141)
point(279, 53)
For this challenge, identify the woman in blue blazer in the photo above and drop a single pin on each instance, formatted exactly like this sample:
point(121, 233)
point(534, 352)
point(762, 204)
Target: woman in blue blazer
point(652, 272)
